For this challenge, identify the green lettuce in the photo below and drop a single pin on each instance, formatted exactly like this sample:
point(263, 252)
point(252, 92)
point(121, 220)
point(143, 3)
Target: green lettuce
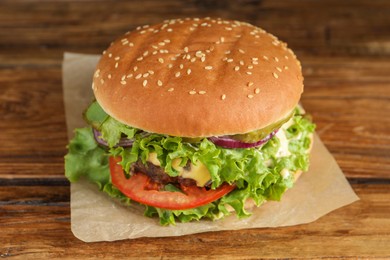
point(255, 171)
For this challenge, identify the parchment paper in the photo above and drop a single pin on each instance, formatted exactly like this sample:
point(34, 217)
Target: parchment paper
point(96, 217)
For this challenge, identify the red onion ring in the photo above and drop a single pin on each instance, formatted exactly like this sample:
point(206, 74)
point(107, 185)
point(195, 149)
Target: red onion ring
point(227, 142)
point(123, 142)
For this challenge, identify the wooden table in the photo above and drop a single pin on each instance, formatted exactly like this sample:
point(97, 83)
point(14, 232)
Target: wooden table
point(344, 47)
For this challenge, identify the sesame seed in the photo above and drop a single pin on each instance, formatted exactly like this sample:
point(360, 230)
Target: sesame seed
point(131, 44)
point(192, 92)
point(198, 54)
point(129, 76)
point(254, 62)
point(116, 65)
point(250, 67)
point(170, 66)
point(257, 91)
point(236, 68)
point(159, 83)
point(223, 97)
point(123, 82)
point(227, 52)
point(97, 73)
point(242, 63)
point(228, 28)
point(151, 72)
point(161, 43)
point(102, 81)
point(155, 52)
point(241, 51)
point(276, 59)
point(140, 58)
point(249, 73)
point(222, 39)
point(250, 83)
point(142, 32)
point(250, 96)
point(279, 69)
point(169, 30)
point(181, 66)
point(202, 92)
point(145, 82)
point(110, 55)
point(154, 47)
point(203, 59)
point(193, 59)
point(208, 67)
point(185, 49)
point(285, 67)
point(104, 52)
point(170, 89)
point(177, 74)
point(230, 60)
point(188, 71)
point(161, 60)
point(109, 76)
point(254, 58)
point(265, 57)
point(135, 68)
point(167, 40)
point(138, 76)
point(146, 53)
point(286, 57)
point(117, 58)
point(145, 74)
point(275, 75)
point(123, 77)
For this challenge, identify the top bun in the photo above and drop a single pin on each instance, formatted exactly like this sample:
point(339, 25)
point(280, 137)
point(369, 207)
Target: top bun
point(197, 78)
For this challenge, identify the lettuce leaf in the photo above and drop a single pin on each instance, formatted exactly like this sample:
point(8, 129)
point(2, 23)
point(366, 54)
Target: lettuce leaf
point(256, 171)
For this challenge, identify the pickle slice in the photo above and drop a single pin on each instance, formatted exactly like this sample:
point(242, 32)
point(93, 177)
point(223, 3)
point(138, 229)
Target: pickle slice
point(259, 134)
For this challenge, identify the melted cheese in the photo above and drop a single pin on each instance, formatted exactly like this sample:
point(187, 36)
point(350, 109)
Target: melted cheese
point(198, 172)
point(153, 159)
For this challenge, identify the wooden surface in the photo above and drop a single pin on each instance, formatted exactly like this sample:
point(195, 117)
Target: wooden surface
point(344, 47)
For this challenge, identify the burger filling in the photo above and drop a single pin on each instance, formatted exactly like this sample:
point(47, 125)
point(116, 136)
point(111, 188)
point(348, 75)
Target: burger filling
point(181, 179)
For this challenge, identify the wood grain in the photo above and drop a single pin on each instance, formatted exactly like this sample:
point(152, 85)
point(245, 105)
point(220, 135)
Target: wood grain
point(344, 47)
point(42, 215)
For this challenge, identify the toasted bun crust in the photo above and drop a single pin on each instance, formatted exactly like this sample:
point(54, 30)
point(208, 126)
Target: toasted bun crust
point(198, 78)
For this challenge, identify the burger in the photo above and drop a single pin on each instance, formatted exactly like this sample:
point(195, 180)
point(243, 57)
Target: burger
point(194, 118)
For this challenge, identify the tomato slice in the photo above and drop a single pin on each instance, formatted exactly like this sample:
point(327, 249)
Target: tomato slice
point(141, 188)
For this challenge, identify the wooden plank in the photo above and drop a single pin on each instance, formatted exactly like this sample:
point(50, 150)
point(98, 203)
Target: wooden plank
point(340, 27)
point(32, 121)
point(41, 216)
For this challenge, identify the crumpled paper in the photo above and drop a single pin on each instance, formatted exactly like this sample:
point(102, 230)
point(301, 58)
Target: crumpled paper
point(96, 217)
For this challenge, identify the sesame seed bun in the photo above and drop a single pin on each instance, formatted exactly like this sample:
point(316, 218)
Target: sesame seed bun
point(198, 78)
